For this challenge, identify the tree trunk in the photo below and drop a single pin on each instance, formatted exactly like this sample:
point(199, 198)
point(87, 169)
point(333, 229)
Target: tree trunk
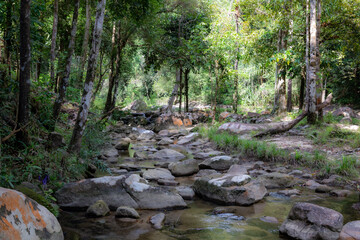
point(79, 128)
point(25, 61)
point(281, 85)
point(313, 74)
point(175, 90)
point(236, 66)
point(319, 84)
point(53, 45)
point(302, 89)
point(101, 78)
point(187, 71)
point(180, 92)
point(307, 63)
point(85, 44)
point(8, 35)
point(64, 79)
point(289, 80)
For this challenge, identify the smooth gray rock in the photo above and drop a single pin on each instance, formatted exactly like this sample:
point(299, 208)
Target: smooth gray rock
point(158, 220)
point(277, 180)
point(98, 209)
point(184, 168)
point(146, 135)
point(308, 221)
point(126, 212)
point(188, 138)
point(165, 141)
point(158, 173)
point(350, 231)
point(217, 163)
point(168, 155)
point(209, 154)
point(187, 193)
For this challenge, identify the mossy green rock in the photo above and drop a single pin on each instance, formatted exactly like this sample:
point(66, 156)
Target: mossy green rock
point(98, 209)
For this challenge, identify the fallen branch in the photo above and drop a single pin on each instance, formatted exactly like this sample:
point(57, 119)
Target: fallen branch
point(13, 132)
point(105, 115)
point(286, 126)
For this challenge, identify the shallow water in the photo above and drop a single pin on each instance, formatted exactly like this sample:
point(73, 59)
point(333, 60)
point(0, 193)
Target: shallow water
point(197, 222)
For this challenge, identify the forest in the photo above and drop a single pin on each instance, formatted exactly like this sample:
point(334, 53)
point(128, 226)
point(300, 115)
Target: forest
point(180, 119)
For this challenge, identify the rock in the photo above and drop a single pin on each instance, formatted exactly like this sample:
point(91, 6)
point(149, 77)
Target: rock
point(332, 180)
point(186, 193)
point(165, 141)
point(146, 135)
point(206, 172)
point(110, 153)
point(122, 145)
point(296, 173)
point(217, 163)
point(312, 184)
point(164, 133)
point(269, 219)
point(148, 197)
point(244, 128)
point(203, 155)
point(157, 173)
point(55, 140)
point(345, 112)
point(126, 212)
point(184, 168)
point(309, 221)
point(277, 180)
point(340, 193)
point(167, 182)
point(168, 155)
point(306, 176)
point(23, 218)
point(157, 220)
point(82, 194)
point(289, 193)
point(223, 116)
point(350, 231)
point(98, 209)
point(188, 138)
point(221, 210)
point(323, 189)
point(138, 106)
point(253, 114)
point(346, 120)
point(230, 189)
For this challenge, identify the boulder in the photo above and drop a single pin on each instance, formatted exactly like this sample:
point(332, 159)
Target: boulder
point(157, 220)
point(165, 141)
point(167, 182)
point(168, 155)
point(308, 221)
point(186, 193)
point(157, 173)
point(223, 116)
point(289, 192)
point(345, 112)
point(323, 189)
point(184, 168)
point(123, 145)
point(138, 106)
point(188, 138)
point(148, 197)
point(340, 193)
point(126, 212)
point(217, 163)
point(350, 231)
point(208, 154)
point(98, 209)
point(82, 194)
point(230, 189)
point(206, 172)
point(146, 135)
point(110, 153)
point(277, 180)
point(269, 219)
point(23, 218)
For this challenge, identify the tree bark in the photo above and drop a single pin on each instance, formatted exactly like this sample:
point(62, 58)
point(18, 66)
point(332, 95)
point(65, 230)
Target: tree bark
point(53, 45)
point(236, 66)
point(313, 74)
point(282, 74)
point(175, 90)
point(187, 71)
point(79, 128)
point(64, 79)
point(289, 80)
point(85, 44)
point(8, 35)
point(319, 84)
point(180, 92)
point(25, 61)
point(307, 62)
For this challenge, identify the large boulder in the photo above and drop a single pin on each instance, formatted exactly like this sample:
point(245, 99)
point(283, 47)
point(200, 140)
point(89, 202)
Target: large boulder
point(351, 231)
point(188, 138)
point(82, 194)
point(158, 173)
point(230, 189)
point(277, 180)
point(146, 135)
point(184, 168)
point(217, 163)
point(138, 106)
point(23, 218)
point(168, 155)
point(345, 112)
point(308, 221)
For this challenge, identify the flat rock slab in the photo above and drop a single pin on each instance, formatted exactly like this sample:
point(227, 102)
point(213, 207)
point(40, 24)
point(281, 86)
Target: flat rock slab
point(158, 173)
point(184, 168)
point(310, 221)
point(188, 138)
point(277, 180)
point(203, 155)
point(168, 155)
point(217, 163)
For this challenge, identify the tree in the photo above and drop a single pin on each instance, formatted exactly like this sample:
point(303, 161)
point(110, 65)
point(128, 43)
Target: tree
point(24, 81)
point(79, 128)
point(53, 42)
point(64, 77)
point(85, 44)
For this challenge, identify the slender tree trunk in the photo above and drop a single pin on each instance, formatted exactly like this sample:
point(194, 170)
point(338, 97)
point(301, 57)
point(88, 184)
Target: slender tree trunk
point(53, 45)
point(216, 89)
point(281, 84)
point(302, 89)
point(319, 84)
point(85, 44)
point(187, 71)
point(180, 92)
point(79, 128)
point(236, 66)
point(25, 61)
point(101, 78)
point(307, 62)
point(313, 74)
point(8, 35)
point(289, 80)
point(64, 79)
point(276, 97)
point(175, 90)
